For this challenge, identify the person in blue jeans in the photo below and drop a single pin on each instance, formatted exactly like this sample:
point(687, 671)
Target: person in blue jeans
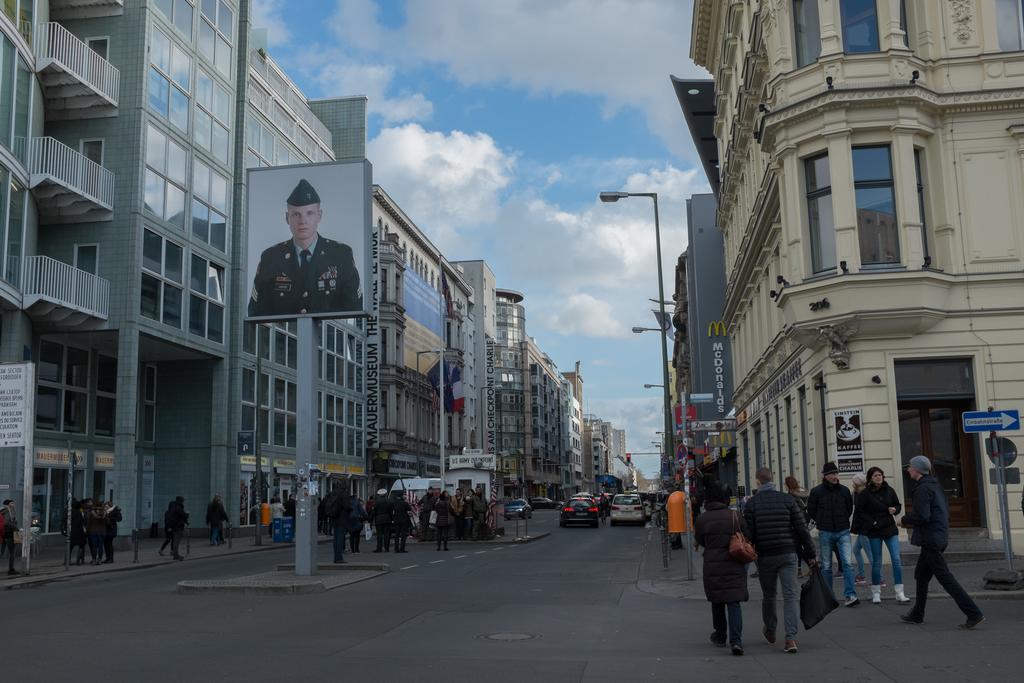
point(861, 545)
point(877, 507)
point(338, 507)
point(830, 505)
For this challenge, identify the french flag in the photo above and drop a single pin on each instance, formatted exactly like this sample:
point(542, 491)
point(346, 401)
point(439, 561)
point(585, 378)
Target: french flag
point(458, 398)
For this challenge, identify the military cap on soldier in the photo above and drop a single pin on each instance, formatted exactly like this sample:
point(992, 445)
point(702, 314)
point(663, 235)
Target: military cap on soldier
point(303, 195)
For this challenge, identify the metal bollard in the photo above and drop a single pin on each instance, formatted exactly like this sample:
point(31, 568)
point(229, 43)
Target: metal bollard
point(230, 531)
point(664, 541)
point(135, 546)
point(188, 540)
point(517, 529)
point(526, 521)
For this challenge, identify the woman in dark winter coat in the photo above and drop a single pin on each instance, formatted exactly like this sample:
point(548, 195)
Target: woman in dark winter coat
point(445, 515)
point(356, 519)
point(77, 531)
point(725, 579)
point(877, 506)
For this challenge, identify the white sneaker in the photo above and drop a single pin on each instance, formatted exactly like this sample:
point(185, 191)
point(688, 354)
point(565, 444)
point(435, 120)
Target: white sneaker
point(876, 595)
point(852, 601)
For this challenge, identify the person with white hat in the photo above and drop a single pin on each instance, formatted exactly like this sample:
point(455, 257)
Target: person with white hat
point(930, 523)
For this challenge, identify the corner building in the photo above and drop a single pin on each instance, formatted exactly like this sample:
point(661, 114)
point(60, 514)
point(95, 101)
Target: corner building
point(126, 128)
point(871, 163)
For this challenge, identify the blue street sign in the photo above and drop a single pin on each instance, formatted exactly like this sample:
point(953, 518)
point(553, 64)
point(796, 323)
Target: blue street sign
point(996, 421)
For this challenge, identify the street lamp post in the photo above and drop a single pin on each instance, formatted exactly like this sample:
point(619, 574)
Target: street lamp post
point(610, 197)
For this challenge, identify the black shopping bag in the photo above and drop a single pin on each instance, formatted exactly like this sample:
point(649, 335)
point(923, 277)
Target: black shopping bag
point(816, 599)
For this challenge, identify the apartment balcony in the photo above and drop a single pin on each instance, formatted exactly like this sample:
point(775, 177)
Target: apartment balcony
point(77, 82)
point(85, 9)
point(58, 294)
point(68, 187)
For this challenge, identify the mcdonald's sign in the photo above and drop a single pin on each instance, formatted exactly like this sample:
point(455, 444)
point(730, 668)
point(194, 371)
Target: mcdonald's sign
point(717, 328)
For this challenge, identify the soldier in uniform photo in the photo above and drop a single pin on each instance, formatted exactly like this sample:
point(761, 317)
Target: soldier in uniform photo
point(308, 273)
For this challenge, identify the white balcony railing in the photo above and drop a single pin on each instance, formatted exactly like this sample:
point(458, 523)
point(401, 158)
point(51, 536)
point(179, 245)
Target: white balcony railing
point(48, 280)
point(49, 158)
point(57, 45)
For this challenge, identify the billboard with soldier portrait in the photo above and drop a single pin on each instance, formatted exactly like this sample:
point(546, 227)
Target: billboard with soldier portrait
point(309, 241)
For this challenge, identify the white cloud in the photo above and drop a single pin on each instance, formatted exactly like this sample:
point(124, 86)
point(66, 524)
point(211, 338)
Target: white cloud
point(585, 315)
point(642, 418)
point(621, 51)
point(446, 181)
point(335, 73)
point(267, 14)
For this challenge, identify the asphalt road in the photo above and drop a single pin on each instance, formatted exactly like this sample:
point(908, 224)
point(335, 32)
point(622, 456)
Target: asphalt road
point(565, 608)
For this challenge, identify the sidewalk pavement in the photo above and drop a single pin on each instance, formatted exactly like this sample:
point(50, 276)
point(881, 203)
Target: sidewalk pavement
point(672, 582)
point(49, 565)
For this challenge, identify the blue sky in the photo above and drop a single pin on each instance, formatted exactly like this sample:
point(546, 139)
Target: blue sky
point(495, 124)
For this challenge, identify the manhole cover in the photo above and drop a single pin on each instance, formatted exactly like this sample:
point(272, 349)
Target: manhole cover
point(508, 637)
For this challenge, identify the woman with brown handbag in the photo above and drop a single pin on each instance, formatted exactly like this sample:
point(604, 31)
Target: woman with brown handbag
point(725, 579)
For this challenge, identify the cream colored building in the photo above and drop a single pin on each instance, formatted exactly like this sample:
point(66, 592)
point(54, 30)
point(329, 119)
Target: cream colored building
point(872, 156)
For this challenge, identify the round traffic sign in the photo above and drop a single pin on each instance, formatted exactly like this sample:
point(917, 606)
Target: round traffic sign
point(1006, 450)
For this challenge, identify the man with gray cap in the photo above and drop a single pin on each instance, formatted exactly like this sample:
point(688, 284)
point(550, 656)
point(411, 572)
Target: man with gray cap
point(929, 520)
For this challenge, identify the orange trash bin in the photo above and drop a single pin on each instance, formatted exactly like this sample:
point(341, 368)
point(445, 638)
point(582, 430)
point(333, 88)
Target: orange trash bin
point(676, 506)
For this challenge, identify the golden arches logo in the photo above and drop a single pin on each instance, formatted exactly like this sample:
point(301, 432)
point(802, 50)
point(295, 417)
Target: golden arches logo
point(717, 328)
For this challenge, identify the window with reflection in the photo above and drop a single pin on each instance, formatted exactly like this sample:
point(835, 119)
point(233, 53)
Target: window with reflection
point(819, 214)
point(860, 25)
point(806, 31)
point(1009, 17)
point(877, 229)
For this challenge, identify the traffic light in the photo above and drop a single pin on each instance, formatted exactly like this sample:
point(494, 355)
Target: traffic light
point(629, 458)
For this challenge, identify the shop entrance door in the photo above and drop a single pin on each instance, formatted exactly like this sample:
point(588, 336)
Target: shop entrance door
point(933, 428)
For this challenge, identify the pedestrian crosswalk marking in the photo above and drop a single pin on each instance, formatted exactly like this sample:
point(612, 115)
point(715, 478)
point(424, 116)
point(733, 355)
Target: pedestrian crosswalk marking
point(480, 552)
point(411, 566)
point(459, 557)
point(437, 561)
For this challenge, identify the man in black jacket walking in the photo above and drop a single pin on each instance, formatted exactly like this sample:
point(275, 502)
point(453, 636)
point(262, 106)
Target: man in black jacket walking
point(337, 507)
point(930, 523)
point(830, 505)
point(779, 534)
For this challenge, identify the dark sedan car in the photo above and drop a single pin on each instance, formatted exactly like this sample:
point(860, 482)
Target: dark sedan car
point(518, 508)
point(543, 504)
point(579, 511)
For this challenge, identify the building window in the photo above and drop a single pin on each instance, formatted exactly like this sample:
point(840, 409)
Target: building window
point(333, 355)
point(101, 46)
point(92, 150)
point(206, 300)
point(285, 345)
point(877, 229)
point(149, 404)
point(284, 413)
point(819, 214)
point(12, 198)
point(180, 13)
point(209, 205)
point(248, 399)
point(62, 395)
point(213, 116)
point(263, 414)
point(166, 164)
point(216, 31)
point(860, 25)
point(333, 425)
point(921, 204)
point(1008, 21)
point(807, 31)
point(87, 258)
point(162, 279)
point(169, 80)
point(905, 25)
point(106, 391)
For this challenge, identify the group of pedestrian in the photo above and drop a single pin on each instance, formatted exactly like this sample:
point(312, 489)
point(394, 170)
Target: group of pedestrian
point(467, 513)
point(392, 520)
point(95, 523)
point(777, 525)
point(216, 518)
